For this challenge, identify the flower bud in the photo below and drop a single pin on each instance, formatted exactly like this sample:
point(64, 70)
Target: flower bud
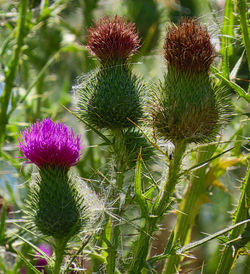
point(113, 39)
point(112, 94)
point(187, 106)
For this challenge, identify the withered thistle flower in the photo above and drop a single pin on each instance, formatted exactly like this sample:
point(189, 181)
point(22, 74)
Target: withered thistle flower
point(112, 94)
point(187, 106)
point(187, 46)
point(113, 39)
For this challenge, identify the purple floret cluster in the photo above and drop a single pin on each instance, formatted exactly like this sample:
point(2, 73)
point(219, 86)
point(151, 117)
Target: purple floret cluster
point(40, 262)
point(48, 143)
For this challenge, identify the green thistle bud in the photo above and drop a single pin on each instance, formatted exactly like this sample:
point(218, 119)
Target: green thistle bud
point(187, 106)
point(112, 94)
point(54, 203)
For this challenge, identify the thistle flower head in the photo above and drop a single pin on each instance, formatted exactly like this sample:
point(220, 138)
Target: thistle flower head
point(188, 47)
point(51, 144)
point(113, 39)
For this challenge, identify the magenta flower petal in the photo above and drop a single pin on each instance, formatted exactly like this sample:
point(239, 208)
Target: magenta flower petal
point(41, 262)
point(48, 143)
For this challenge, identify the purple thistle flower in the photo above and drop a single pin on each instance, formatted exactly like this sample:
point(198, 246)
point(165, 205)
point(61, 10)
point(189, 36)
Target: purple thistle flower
point(48, 143)
point(40, 263)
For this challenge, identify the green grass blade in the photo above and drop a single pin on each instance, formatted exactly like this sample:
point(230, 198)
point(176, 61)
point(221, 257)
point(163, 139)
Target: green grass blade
point(191, 246)
point(244, 22)
point(226, 36)
point(229, 254)
point(138, 192)
point(27, 263)
point(76, 254)
point(49, 259)
point(241, 92)
point(107, 141)
point(234, 72)
point(3, 224)
point(202, 164)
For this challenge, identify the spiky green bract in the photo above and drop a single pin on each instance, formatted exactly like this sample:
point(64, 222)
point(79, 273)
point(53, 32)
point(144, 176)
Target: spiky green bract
point(54, 204)
point(134, 143)
point(186, 106)
point(110, 96)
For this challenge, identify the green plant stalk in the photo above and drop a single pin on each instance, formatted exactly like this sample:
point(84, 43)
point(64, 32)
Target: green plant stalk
point(242, 8)
point(189, 208)
point(227, 33)
point(60, 245)
point(39, 91)
point(115, 228)
point(12, 68)
point(229, 253)
point(162, 201)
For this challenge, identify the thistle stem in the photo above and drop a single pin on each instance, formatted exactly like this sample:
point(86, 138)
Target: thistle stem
point(189, 208)
point(60, 245)
point(230, 253)
point(115, 228)
point(162, 201)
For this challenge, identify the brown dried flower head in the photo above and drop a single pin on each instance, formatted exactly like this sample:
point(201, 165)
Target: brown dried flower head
point(113, 39)
point(188, 47)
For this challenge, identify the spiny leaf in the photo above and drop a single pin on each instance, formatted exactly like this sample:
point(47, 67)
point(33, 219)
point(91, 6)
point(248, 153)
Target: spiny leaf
point(241, 92)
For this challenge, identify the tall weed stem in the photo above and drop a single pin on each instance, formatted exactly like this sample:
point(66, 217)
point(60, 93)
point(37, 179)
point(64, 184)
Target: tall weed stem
point(161, 203)
point(189, 207)
point(119, 167)
point(60, 245)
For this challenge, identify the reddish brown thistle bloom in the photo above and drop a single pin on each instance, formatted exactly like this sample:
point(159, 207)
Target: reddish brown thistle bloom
point(188, 47)
point(113, 39)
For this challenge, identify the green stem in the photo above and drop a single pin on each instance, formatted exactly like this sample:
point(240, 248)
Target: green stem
point(39, 91)
point(115, 228)
point(162, 201)
point(60, 245)
point(12, 68)
point(189, 208)
point(230, 253)
point(242, 8)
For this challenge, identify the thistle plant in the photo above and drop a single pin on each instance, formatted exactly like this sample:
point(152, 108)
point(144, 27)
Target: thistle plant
point(110, 99)
point(54, 204)
point(186, 109)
